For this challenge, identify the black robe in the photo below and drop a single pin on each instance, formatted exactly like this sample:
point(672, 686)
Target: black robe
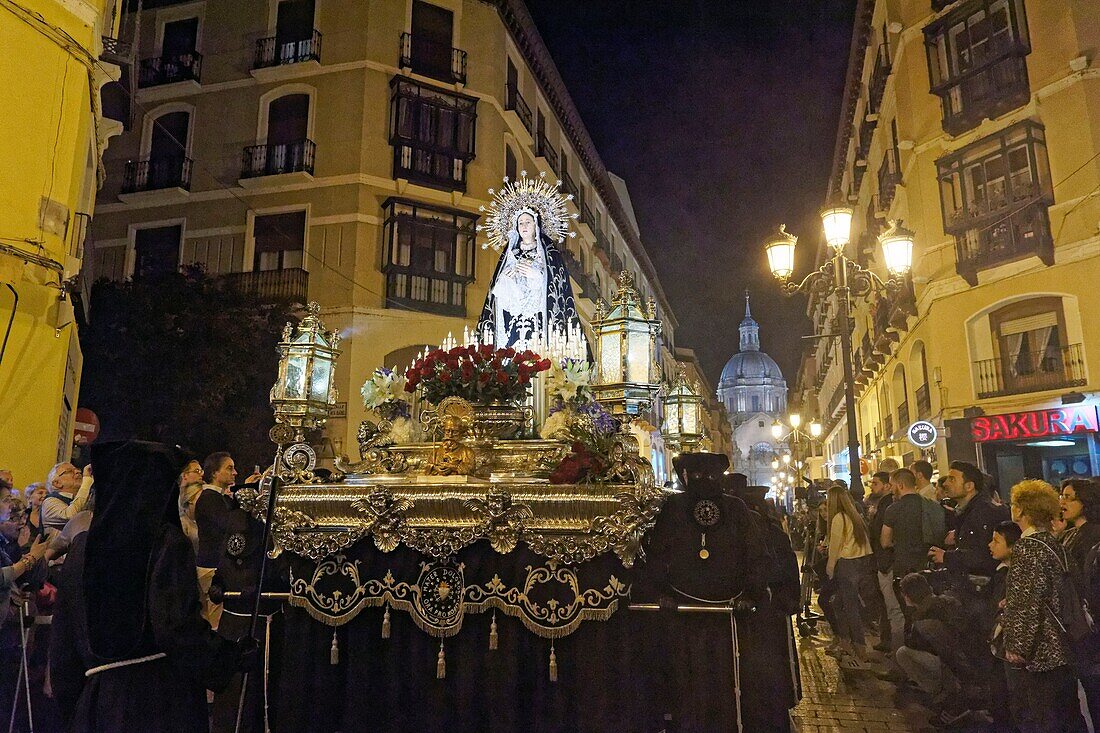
point(129, 592)
point(167, 695)
point(693, 676)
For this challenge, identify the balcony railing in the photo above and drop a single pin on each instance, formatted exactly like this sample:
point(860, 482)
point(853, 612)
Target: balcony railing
point(157, 173)
point(569, 187)
point(275, 51)
point(985, 91)
point(514, 101)
point(170, 68)
point(1031, 372)
point(543, 149)
point(903, 303)
point(289, 285)
point(588, 216)
point(272, 160)
point(436, 293)
point(903, 415)
point(115, 51)
point(431, 58)
point(879, 74)
point(888, 179)
point(888, 426)
point(924, 401)
point(993, 240)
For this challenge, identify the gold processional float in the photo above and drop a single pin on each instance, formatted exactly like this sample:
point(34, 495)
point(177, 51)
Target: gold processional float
point(525, 448)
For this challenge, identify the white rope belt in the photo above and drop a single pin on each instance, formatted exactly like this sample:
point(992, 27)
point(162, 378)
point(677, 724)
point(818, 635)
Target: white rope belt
point(124, 663)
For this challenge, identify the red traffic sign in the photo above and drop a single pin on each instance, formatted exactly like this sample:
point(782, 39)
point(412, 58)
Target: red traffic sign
point(85, 427)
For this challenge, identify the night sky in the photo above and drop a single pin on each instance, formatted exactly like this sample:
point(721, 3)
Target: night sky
point(722, 118)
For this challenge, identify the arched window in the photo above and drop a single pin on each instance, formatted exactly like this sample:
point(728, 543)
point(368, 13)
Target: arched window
point(165, 151)
point(918, 371)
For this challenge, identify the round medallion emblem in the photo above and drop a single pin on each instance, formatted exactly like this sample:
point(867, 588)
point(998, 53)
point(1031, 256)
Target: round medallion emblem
point(706, 513)
point(235, 544)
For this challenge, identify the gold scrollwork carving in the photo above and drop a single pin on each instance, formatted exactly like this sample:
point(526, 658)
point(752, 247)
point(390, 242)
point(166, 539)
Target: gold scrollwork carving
point(374, 451)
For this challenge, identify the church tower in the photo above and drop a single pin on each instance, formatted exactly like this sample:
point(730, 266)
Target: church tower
point(755, 395)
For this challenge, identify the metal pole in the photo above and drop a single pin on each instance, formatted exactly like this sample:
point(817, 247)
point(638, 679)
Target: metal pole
point(840, 266)
point(272, 496)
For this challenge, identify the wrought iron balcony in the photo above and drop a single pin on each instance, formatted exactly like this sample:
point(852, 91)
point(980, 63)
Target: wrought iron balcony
point(570, 188)
point(903, 303)
point(987, 240)
point(543, 149)
point(924, 401)
point(1053, 368)
point(115, 51)
point(514, 102)
point(170, 69)
point(272, 160)
point(276, 51)
point(889, 176)
point(887, 426)
point(290, 285)
point(879, 74)
point(431, 58)
point(157, 173)
point(903, 415)
point(588, 216)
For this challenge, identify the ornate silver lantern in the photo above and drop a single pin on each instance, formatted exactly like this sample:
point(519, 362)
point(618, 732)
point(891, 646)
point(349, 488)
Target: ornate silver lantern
point(305, 389)
point(628, 376)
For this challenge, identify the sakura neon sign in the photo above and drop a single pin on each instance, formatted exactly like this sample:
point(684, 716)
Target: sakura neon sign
point(1035, 424)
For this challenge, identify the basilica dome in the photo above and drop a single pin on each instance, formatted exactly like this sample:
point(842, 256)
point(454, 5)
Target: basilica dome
point(751, 380)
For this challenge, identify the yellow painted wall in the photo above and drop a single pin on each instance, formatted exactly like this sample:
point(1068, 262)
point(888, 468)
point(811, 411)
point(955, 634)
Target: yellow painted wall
point(49, 149)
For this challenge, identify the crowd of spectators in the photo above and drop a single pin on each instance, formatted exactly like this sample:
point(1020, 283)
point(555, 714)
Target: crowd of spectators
point(38, 526)
point(981, 608)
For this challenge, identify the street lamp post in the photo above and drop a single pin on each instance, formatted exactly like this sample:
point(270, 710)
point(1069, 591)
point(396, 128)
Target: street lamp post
point(844, 278)
point(795, 436)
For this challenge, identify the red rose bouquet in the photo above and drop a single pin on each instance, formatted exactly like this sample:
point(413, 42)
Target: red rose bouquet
point(479, 374)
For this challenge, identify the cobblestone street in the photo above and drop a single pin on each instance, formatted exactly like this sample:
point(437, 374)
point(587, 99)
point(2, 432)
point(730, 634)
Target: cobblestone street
point(847, 701)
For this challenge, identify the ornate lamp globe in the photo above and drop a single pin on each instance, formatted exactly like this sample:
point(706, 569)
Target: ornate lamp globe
point(628, 376)
point(305, 389)
point(837, 222)
point(815, 429)
point(780, 251)
point(777, 430)
point(683, 414)
point(897, 249)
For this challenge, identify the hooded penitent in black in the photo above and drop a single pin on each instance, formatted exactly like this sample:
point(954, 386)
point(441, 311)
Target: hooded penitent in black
point(129, 591)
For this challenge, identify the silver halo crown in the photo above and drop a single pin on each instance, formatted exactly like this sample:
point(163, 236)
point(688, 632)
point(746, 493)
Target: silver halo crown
point(535, 195)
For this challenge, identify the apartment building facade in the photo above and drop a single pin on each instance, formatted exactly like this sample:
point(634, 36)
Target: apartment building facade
point(977, 123)
point(340, 152)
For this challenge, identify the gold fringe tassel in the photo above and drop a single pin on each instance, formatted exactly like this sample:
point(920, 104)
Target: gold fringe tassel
point(334, 650)
point(386, 623)
point(441, 664)
point(553, 664)
point(493, 632)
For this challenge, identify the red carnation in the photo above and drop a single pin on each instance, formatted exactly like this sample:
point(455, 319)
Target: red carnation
point(427, 371)
point(523, 369)
point(509, 352)
point(502, 377)
point(471, 349)
point(457, 351)
point(485, 350)
point(435, 353)
point(543, 365)
point(467, 371)
point(444, 377)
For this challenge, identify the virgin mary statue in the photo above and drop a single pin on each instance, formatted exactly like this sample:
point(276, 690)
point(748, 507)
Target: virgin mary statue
point(530, 296)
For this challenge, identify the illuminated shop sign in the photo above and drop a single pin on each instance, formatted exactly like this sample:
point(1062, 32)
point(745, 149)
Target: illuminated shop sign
point(1036, 424)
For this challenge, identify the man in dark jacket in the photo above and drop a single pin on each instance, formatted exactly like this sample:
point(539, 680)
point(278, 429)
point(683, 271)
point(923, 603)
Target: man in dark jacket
point(891, 617)
point(969, 562)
